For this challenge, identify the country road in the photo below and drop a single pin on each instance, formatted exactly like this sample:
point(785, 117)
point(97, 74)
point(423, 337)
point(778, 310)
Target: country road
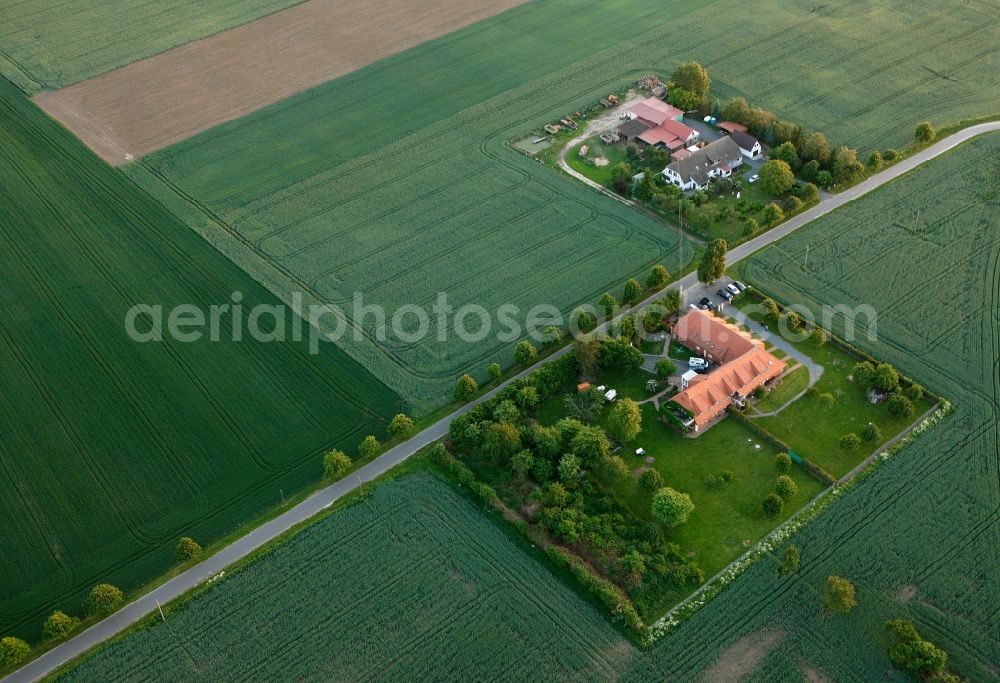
point(324, 498)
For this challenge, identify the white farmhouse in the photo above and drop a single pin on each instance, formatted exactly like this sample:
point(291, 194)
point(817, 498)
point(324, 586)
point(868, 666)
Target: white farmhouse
point(715, 160)
point(749, 145)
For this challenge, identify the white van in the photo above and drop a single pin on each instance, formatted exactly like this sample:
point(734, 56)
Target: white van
point(696, 363)
point(611, 396)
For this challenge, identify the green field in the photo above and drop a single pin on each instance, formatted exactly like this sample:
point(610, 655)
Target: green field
point(918, 539)
point(417, 584)
point(110, 449)
point(46, 45)
point(403, 166)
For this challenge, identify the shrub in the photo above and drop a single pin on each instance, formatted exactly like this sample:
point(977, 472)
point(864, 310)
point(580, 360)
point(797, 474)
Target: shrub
point(336, 464)
point(103, 600)
point(924, 132)
point(569, 468)
point(58, 625)
point(890, 155)
point(850, 442)
point(401, 425)
point(789, 562)
point(918, 657)
point(776, 177)
point(494, 371)
point(13, 651)
point(187, 549)
point(915, 392)
point(658, 276)
point(818, 337)
point(773, 214)
point(525, 353)
point(786, 487)
point(826, 400)
point(838, 595)
point(541, 470)
point(671, 507)
point(824, 178)
point(783, 462)
point(632, 292)
point(793, 204)
point(899, 406)
point(773, 505)
point(650, 480)
point(871, 432)
point(465, 388)
point(885, 377)
point(368, 446)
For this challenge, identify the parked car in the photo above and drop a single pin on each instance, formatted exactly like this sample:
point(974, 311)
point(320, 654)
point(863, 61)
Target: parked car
point(753, 178)
point(693, 307)
point(696, 363)
point(724, 293)
point(705, 301)
point(733, 289)
point(740, 286)
point(611, 396)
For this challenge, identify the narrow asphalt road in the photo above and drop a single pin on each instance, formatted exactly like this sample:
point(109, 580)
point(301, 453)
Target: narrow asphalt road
point(190, 578)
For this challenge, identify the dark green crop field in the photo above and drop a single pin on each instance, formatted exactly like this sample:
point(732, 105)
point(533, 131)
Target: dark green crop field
point(110, 449)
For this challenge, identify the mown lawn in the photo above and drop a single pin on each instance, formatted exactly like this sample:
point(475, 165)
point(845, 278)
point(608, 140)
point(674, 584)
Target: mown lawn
point(791, 385)
point(813, 430)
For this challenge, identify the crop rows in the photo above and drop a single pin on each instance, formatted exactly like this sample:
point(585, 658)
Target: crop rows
point(110, 450)
point(416, 583)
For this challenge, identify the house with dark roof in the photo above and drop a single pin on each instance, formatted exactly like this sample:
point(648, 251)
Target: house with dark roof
point(696, 170)
point(749, 145)
point(743, 365)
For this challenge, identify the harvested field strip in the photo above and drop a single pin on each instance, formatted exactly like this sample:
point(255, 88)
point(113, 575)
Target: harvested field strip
point(121, 114)
point(112, 449)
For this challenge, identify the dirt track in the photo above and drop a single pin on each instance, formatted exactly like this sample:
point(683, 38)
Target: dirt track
point(150, 104)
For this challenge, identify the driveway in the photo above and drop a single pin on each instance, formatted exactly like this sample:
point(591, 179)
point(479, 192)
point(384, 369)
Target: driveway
point(324, 498)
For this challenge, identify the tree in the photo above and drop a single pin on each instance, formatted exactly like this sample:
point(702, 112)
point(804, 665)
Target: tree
point(632, 292)
point(658, 276)
point(582, 320)
point(713, 261)
point(671, 507)
point(619, 353)
point(506, 411)
point(608, 303)
point(918, 657)
point(864, 373)
point(401, 425)
point(846, 166)
point(809, 170)
point(632, 152)
point(621, 178)
point(793, 204)
point(541, 470)
point(58, 625)
point(915, 392)
point(773, 505)
point(824, 178)
point(685, 100)
point(552, 335)
point(850, 442)
point(494, 371)
point(501, 441)
point(525, 353)
point(899, 406)
point(590, 444)
point(875, 160)
point(737, 110)
point(786, 487)
point(547, 440)
point(614, 468)
point(526, 397)
point(885, 377)
point(665, 368)
point(924, 132)
point(584, 405)
point(826, 400)
point(625, 420)
point(691, 76)
point(772, 307)
point(776, 177)
point(838, 594)
point(13, 651)
point(785, 152)
point(751, 227)
point(670, 301)
point(187, 549)
point(521, 463)
point(103, 600)
point(871, 432)
point(808, 193)
point(789, 562)
point(587, 353)
point(368, 446)
point(773, 214)
point(792, 320)
point(650, 480)
point(465, 388)
point(783, 462)
point(569, 468)
point(816, 148)
point(336, 464)
point(646, 187)
point(818, 336)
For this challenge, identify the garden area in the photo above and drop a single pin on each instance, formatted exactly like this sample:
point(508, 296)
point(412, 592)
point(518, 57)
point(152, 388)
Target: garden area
point(834, 424)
